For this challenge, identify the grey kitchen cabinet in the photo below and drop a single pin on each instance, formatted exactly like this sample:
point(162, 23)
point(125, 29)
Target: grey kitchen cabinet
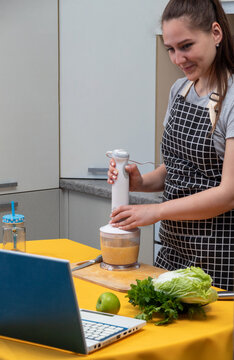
point(84, 214)
point(41, 211)
point(29, 140)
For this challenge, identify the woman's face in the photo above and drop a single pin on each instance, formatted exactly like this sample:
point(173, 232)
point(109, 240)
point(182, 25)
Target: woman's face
point(192, 50)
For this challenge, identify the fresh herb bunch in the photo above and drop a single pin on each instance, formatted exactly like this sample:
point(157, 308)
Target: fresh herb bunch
point(151, 302)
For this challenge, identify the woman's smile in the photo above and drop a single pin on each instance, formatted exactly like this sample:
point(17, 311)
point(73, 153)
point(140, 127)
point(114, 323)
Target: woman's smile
point(188, 68)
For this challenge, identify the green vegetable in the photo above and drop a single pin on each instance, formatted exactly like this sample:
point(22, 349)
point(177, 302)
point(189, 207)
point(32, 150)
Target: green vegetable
point(191, 285)
point(169, 299)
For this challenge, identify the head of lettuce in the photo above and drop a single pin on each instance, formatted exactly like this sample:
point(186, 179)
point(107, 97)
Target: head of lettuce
point(191, 285)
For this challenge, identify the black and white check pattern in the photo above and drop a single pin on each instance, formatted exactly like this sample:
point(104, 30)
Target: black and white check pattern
point(192, 166)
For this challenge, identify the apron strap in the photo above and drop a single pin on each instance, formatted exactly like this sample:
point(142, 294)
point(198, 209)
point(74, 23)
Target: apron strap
point(212, 104)
point(186, 89)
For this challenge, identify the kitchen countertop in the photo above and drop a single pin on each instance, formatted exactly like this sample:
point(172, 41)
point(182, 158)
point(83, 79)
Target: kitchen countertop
point(103, 189)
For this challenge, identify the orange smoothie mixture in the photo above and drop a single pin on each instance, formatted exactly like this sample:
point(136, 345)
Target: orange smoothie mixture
point(119, 252)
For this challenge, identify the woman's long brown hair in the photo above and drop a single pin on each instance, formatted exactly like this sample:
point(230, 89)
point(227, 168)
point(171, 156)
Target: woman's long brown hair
point(201, 15)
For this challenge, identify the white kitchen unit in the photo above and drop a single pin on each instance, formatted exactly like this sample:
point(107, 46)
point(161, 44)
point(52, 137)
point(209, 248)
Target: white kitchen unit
point(107, 82)
point(228, 6)
point(114, 81)
point(29, 142)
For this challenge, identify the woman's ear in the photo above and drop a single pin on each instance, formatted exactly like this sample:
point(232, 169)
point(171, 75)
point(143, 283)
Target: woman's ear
point(217, 33)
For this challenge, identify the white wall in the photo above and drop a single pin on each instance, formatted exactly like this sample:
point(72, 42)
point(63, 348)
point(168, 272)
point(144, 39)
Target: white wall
point(107, 81)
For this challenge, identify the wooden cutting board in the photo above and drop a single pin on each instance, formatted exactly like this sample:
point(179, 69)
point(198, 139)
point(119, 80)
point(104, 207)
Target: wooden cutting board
point(116, 280)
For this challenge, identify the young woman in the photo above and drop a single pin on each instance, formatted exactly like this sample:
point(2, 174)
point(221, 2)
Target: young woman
point(197, 216)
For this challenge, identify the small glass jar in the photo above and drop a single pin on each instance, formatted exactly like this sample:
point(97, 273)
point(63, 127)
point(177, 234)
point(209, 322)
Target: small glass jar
point(14, 233)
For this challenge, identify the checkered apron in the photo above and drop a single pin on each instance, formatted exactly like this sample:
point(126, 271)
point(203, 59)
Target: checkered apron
point(192, 166)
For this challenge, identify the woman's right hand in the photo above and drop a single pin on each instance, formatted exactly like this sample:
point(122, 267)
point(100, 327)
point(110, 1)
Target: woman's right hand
point(112, 172)
point(135, 178)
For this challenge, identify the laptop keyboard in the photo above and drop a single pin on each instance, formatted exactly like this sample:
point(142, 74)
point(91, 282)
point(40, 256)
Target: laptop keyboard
point(100, 331)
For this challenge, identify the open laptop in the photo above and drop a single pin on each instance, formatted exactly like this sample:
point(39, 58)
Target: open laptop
point(38, 304)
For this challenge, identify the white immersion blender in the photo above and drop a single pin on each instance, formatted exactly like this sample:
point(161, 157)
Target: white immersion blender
point(119, 248)
point(120, 188)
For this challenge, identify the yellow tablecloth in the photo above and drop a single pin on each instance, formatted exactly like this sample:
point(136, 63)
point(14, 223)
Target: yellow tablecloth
point(209, 339)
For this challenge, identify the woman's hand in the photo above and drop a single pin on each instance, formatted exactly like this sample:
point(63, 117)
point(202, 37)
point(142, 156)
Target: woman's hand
point(112, 172)
point(131, 216)
point(135, 178)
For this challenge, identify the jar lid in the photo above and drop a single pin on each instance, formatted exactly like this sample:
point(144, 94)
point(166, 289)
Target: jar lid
point(108, 229)
point(13, 219)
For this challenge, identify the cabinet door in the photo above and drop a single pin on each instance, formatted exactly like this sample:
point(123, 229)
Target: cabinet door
point(87, 213)
point(41, 211)
point(29, 95)
point(107, 82)
point(228, 6)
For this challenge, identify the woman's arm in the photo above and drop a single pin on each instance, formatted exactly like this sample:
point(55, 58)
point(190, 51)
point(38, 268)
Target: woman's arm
point(155, 180)
point(203, 205)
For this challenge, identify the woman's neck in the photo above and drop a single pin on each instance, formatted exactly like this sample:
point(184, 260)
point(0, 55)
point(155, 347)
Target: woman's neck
point(203, 87)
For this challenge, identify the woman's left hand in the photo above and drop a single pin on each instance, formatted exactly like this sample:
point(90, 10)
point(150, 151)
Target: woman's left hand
point(131, 216)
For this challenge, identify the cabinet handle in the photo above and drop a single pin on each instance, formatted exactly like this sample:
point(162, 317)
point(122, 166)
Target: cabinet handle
point(95, 170)
point(7, 206)
point(7, 184)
